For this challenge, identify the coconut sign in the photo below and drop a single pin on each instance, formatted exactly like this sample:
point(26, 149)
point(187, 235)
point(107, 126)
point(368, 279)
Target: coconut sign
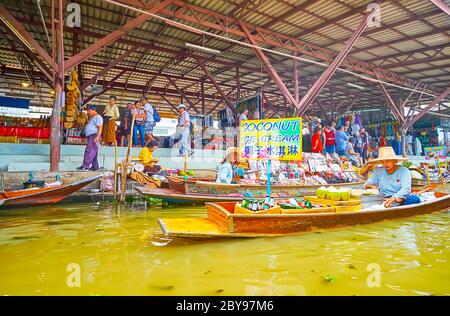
point(273, 139)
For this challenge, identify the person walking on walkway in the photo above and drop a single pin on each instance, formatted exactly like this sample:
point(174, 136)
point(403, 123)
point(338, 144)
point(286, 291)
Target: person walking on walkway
point(341, 139)
point(365, 146)
point(184, 131)
point(150, 123)
point(330, 143)
point(139, 123)
point(317, 145)
point(93, 132)
point(125, 125)
point(110, 115)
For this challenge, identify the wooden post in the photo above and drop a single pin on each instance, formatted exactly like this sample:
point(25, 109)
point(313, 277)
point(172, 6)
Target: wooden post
point(115, 169)
point(126, 163)
point(55, 121)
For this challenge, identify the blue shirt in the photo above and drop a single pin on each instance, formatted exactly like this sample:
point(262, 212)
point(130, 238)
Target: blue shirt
point(150, 111)
point(341, 139)
point(92, 126)
point(396, 185)
point(225, 173)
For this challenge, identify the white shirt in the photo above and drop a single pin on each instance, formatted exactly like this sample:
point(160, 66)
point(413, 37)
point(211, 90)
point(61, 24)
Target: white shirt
point(242, 117)
point(409, 139)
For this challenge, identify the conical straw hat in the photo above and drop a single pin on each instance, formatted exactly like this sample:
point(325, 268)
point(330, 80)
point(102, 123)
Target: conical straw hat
point(387, 153)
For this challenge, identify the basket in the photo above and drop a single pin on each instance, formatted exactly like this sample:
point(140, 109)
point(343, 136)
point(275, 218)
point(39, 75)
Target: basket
point(177, 184)
point(352, 205)
point(238, 209)
point(314, 199)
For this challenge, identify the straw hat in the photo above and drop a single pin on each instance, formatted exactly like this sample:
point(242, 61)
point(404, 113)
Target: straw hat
point(387, 153)
point(230, 151)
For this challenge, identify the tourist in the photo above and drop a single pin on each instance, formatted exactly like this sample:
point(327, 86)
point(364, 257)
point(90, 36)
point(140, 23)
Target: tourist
point(317, 145)
point(150, 123)
point(358, 143)
point(333, 126)
point(348, 128)
point(93, 132)
point(226, 170)
point(418, 146)
point(125, 124)
point(139, 122)
point(365, 145)
point(330, 143)
point(341, 139)
point(110, 115)
point(146, 157)
point(394, 181)
point(409, 144)
point(184, 131)
point(350, 152)
point(243, 116)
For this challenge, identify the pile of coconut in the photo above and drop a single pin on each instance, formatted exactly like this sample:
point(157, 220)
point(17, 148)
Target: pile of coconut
point(343, 194)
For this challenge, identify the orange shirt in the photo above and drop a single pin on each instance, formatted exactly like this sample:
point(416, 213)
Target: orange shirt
point(319, 147)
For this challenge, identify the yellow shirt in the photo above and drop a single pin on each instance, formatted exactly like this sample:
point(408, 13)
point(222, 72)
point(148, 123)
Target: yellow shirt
point(112, 111)
point(146, 156)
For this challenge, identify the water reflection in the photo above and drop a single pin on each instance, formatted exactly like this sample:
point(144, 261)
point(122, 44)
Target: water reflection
point(121, 250)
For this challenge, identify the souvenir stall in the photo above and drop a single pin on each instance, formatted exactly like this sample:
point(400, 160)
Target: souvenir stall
point(19, 124)
point(314, 169)
point(74, 120)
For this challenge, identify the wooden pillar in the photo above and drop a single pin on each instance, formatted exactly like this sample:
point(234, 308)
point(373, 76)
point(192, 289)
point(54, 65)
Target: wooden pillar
point(202, 87)
point(55, 120)
point(296, 95)
point(238, 84)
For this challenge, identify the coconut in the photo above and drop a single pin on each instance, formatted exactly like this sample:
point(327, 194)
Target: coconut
point(321, 192)
point(334, 194)
point(357, 192)
point(345, 194)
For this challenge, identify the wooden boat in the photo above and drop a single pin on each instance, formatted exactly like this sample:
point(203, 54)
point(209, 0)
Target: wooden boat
point(42, 196)
point(422, 183)
point(192, 191)
point(222, 221)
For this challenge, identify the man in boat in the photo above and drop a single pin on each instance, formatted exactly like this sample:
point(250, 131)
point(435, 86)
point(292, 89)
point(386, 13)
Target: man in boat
point(228, 169)
point(93, 132)
point(146, 157)
point(394, 181)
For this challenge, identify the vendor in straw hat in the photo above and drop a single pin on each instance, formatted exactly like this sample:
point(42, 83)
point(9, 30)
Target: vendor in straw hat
point(227, 169)
point(393, 180)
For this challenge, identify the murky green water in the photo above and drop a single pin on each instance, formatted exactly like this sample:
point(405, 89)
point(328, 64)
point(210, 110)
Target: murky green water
point(121, 252)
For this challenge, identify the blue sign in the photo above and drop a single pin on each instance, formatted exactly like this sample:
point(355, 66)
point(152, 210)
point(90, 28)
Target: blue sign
point(14, 103)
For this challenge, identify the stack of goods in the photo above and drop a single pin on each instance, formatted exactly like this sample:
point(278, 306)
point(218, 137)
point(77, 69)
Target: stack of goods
point(73, 118)
point(257, 206)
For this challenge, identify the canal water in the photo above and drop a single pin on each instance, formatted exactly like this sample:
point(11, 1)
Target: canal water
point(88, 249)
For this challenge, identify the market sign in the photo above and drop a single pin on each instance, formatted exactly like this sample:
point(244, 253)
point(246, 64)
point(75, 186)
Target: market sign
point(278, 139)
point(17, 103)
point(436, 151)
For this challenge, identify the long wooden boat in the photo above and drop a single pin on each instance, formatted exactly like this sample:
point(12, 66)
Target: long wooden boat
point(221, 220)
point(423, 183)
point(192, 191)
point(42, 196)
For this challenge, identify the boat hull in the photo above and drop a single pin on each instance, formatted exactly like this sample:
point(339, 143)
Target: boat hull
point(42, 196)
point(212, 192)
point(221, 222)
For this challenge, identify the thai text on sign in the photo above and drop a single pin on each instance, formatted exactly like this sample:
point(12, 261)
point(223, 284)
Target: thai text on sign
point(278, 139)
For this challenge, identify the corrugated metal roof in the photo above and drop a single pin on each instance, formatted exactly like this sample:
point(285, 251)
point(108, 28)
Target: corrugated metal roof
point(101, 18)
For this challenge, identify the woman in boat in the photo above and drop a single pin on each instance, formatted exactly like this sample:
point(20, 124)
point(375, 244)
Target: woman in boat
point(146, 157)
point(227, 170)
point(394, 181)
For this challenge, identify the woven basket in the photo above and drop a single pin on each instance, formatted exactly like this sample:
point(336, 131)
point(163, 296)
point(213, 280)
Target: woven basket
point(177, 184)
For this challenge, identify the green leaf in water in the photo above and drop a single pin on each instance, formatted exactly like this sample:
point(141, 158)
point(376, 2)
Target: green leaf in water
point(163, 287)
point(330, 278)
